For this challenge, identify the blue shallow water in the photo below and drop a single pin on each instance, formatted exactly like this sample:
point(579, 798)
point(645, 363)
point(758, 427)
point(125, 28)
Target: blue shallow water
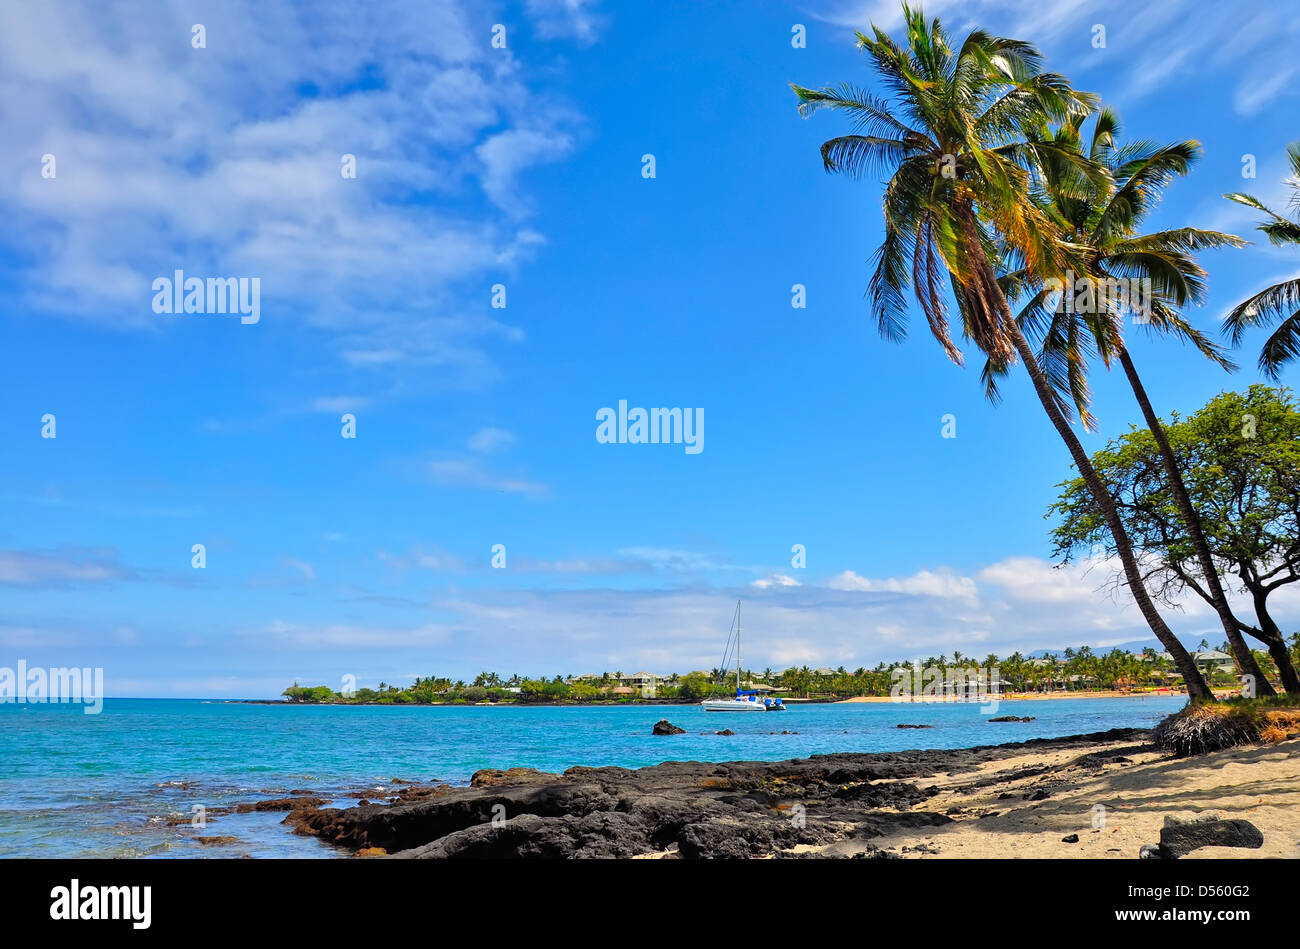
point(103, 785)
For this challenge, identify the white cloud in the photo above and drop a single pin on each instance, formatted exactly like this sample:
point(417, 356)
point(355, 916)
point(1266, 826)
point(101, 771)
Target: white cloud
point(1171, 41)
point(307, 570)
point(506, 154)
point(60, 567)
point(564, 18)
point(944, 584)
point(226, 161)
point(470, 473)
point(774, 581)
point(1031, 580)
point(488, 440)
point(426, 558)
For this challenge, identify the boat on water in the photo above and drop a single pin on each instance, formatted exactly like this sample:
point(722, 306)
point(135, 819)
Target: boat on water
point(744, 700)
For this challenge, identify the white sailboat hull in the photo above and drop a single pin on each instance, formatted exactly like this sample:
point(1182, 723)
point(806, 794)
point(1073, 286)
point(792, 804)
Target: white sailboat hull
point(732, 705)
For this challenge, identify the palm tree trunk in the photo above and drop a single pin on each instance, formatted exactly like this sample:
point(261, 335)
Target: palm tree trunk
point(1219, 599)
point(985, 292)
point(1197, 690)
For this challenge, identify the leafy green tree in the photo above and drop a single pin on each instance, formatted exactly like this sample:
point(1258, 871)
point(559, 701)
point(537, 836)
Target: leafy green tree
point(693, 686)
point(316, 693)
point(1241, 455)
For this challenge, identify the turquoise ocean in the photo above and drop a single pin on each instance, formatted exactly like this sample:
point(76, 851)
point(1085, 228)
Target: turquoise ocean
point(113, 784)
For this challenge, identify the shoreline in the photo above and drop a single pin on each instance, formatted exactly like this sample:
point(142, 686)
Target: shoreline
point(687, 703)
point(1036, 798)
point(1012, 697)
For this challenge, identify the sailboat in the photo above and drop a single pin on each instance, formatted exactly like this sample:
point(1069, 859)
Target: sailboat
point(742, 701)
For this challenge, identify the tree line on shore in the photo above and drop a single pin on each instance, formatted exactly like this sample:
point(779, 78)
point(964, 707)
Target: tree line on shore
point(1073, 670)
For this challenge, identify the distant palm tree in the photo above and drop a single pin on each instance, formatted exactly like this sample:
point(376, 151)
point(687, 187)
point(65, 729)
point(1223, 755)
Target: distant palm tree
point(1280, 302)
point(961, 138)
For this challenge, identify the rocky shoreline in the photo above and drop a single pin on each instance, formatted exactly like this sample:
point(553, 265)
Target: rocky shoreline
point(826, 805)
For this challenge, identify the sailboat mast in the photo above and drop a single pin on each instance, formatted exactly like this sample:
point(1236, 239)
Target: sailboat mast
point(737, 646)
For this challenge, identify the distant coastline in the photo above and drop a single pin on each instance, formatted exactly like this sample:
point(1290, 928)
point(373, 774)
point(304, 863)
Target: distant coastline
point(853, 700)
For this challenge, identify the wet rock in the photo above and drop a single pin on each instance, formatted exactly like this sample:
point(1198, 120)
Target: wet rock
point(665, 727)
point(905, 725)
point(690, 809)
point(491, 777)
point(1012, 718)
point(725, 731)
point(217, 840)
point(277, 804)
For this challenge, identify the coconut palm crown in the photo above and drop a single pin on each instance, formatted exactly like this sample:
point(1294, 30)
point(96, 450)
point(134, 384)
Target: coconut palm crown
point(1280, 302)
point(1073, 317)
point(958, 137)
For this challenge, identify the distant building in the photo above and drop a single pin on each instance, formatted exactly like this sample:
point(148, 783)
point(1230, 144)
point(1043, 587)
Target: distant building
point(1213, 661)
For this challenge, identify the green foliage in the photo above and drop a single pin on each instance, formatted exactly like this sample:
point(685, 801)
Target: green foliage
point(694, 687)
point(316, 694)
point(1241, 458)
point(960, 136)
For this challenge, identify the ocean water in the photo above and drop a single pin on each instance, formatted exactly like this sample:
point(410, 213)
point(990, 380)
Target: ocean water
point(107, 785)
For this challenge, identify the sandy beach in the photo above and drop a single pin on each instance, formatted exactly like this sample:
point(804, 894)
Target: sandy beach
point(1018, 696)
point(996, 814)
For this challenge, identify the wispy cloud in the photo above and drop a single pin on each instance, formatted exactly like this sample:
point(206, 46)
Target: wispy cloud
point(1144, 54)
point(488, 440)
point(471, 473)
point(174, 157)
point(61, 567)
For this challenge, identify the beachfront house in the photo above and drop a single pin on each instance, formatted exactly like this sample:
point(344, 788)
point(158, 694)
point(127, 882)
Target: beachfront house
point(1214, 662)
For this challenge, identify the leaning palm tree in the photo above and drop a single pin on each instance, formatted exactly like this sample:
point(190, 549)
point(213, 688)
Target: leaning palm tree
point(1128, 274)
point(958, 136)
point(1282, 300)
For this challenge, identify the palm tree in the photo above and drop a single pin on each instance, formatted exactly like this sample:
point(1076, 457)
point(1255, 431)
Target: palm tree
point(959, 138)
point(1103, 225)
point(1282, 300)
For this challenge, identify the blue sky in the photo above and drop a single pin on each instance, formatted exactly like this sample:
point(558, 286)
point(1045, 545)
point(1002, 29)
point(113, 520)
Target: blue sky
point(475, 425)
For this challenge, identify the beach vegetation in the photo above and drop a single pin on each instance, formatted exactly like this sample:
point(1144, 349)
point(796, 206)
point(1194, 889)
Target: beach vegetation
point(1241, 458)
